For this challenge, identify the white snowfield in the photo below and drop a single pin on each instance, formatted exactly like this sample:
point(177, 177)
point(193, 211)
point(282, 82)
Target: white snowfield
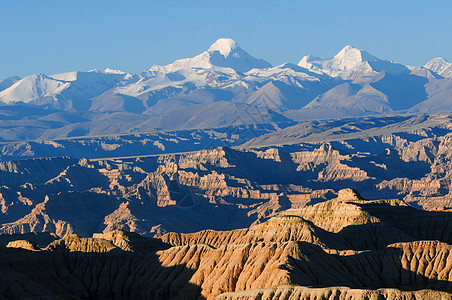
point(353, 82)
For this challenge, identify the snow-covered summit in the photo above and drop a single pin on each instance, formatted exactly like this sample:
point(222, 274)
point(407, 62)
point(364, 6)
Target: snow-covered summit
point(437, 64)
point(61, 87)
point(343, 64)
point(224, 45)
point(224, 53)
point(350, 57)
point(305, 62)
point(440, 66)
point(32, 87)
point(350, 63)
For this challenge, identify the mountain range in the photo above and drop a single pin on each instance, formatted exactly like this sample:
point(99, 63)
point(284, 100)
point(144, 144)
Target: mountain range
point(218, 88)
point(223, 177)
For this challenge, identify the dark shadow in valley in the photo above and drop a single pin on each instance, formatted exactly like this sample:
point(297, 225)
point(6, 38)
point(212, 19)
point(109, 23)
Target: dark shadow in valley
point(389, 165)
point(421, 225)
point(80, 275)
point(259, 169)
point(391, 224)
point(368, 270)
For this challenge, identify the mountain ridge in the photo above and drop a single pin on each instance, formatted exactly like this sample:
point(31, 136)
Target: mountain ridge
point(353, 83)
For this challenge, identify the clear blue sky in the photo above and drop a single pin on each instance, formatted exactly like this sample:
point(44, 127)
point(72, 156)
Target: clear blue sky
point(58, 36)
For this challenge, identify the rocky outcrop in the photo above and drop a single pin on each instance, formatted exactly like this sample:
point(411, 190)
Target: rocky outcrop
point(23, 244)
point(74, 243)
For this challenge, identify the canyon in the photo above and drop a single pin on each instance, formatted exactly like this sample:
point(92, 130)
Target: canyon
point(228, 188)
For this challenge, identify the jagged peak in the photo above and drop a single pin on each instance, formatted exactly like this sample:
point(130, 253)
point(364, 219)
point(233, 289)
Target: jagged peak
point(440, 66)
point(344, 64)
point(437, 63)
point(224, 53)
point(349, 52)
point(224, 45)
point(308, 58)
point(439, 59)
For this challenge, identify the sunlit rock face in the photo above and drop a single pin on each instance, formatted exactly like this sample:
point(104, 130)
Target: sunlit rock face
point(344, 248)
point(228, 188)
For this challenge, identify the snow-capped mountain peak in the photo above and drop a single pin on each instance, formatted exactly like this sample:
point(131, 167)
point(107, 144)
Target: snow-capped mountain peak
point(350, 57)
point(351, 63)
point(224, 45)
point(32, 87)
point(305, 62)
point(344, 64)
point(224, 72)
point(41, 89)
point(437, 62)
point(440, 66)
point(224, 53)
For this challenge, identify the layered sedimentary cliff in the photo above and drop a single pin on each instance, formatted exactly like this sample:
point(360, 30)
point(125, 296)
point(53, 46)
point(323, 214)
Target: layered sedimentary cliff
point(220, 189)
point(344, 248)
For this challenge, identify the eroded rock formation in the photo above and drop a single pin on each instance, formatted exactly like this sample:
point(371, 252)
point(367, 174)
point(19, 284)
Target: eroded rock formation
point(344, 248)
point(219, 189)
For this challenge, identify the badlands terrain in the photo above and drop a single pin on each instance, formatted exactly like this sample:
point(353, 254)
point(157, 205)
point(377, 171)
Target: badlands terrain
point(344, 248)
point(227, 188)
